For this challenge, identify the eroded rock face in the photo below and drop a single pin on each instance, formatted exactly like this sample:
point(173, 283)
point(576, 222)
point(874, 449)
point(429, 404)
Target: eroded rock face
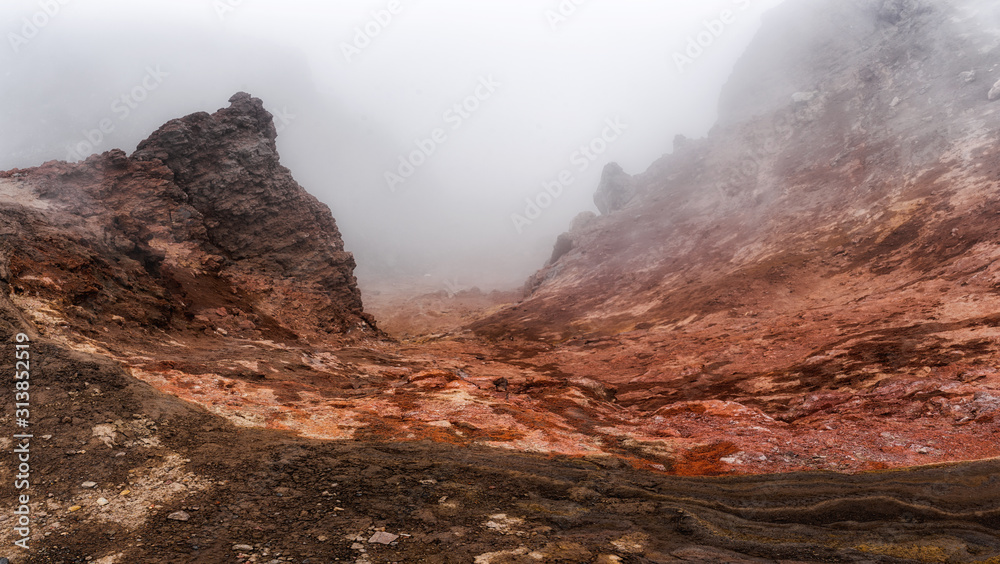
point(615, 190)
point(799, 292)
point(850, 142)
point(765, 296)
point(201, 223)
point(825, 258)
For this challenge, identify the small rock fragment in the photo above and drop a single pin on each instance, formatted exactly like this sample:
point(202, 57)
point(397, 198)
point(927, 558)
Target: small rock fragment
point(242, 547)
point(102, 501)
point(382, 537)
point(179, 516)
point(89, 485)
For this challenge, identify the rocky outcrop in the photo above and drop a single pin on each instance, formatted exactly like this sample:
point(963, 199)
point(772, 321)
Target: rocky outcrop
point(582, 221)
point(200, 228)
point(615, 190)
point(994, 93)
point(266, 226)
point(827, 255)
point(849, 141)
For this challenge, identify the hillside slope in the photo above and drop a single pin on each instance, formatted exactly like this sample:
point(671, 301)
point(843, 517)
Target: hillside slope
point(779, 344)
point(854, 155)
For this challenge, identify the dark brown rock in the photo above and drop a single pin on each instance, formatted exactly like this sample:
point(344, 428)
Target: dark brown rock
point(203, 215)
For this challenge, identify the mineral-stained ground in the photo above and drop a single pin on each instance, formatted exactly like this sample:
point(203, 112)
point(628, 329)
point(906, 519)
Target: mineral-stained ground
point(781, 343)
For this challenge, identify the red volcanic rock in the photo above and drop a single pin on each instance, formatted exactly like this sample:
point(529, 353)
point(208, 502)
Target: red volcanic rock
point(813, 287)
point(826, 257)
point(798, 291)
point(201, 219)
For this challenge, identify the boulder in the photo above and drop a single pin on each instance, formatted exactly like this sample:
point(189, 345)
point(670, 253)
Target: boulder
point(616, 189)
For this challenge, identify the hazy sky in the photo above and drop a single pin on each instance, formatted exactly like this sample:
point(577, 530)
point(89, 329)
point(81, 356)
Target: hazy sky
point(485, 101)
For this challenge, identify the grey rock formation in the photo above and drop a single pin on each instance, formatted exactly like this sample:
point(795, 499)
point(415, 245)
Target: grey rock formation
point(994, 94)
point(581, 221)
point(616, 189)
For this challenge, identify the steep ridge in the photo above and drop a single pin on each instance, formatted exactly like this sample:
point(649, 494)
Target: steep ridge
point(855, 140)
point(820, 271)
point(202, 222)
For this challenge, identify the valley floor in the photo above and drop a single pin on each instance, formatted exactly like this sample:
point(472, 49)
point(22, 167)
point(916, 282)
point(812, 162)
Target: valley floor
point(498, 451)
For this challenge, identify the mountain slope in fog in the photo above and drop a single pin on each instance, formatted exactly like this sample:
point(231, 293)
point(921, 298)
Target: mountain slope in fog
point(826, 258)
point(810, 288)
point(854, 158)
